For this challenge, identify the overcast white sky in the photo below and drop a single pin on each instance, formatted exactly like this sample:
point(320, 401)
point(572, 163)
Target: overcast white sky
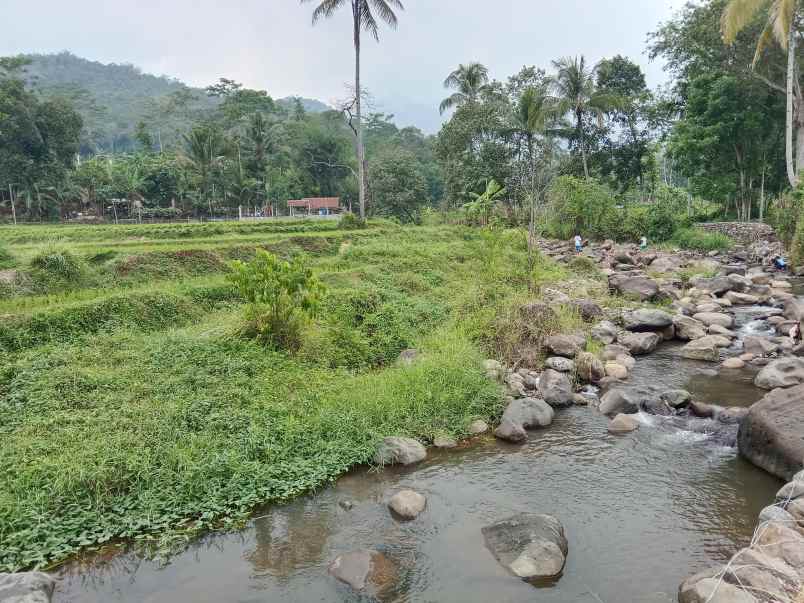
point(271, 45)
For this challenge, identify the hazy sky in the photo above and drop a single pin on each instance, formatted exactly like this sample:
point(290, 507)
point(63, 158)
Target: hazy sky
point(271, 45)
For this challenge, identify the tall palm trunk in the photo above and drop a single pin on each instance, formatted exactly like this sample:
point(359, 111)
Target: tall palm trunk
point(582, 142)
point(361, 167)
point(792, 176)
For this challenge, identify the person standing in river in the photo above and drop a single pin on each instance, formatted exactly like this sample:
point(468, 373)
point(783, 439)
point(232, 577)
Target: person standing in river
point(643, 243)
point(578, 243)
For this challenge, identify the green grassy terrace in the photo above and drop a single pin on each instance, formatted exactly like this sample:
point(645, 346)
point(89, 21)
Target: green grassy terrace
point(132, 408)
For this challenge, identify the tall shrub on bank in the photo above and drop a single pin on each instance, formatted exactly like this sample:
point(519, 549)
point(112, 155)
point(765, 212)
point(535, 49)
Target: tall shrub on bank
point(579, 206)
point(282, 297)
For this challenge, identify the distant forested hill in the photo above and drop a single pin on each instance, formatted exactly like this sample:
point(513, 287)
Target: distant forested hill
point(114, 99)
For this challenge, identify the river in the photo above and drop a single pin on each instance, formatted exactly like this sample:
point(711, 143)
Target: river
point(641, 513)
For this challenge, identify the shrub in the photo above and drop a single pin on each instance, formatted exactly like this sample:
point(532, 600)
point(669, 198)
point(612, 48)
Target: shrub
point(576, 205)
point(282, 297)
point(55, 269)
point(6, 258)
point(350, 221)
point(698, 240)
point(797, 244)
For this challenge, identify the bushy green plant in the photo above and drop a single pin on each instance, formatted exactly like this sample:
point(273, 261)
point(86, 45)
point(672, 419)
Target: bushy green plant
point(350, 221)
point(797, 244)
point(6, 257)
point(698, 240)
point(784, 215)
point(579, 206)
point(282, 297)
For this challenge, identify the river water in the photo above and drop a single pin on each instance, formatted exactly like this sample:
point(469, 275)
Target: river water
point(641, 513)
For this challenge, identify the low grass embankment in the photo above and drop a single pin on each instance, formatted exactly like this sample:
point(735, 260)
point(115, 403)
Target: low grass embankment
point(141, 413)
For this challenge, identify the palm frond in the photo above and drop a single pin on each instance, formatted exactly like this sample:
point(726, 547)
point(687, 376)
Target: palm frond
point(325, 9)
point(782, 13)
point(452, 101)
point(385, 10)
point(765, 39)
point(737, 15)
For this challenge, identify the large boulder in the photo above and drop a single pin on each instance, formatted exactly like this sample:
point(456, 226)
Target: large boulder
point(640, 344)
point(707, 587)
point(664, 264)
point(556, 388)
point(716, 286)
point(622, 401)
point(744, 299)
point(564, 345)
point(635, 287)
point(399, 451)
point(706, 348)
point(647, 319)
point(714, 318)
point(522, 414)
point(784, 372)
point(26, 587)
point(530, 545)
point(758, 572)
point(687, 328)
point(364, 571)
point(589, 368)
point(623, 424)
point(560, 364)
point(782, 542)
point(759, 346)
point(772, 435)
point(794, 309)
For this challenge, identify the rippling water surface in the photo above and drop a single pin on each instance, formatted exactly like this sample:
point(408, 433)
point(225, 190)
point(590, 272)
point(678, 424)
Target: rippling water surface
point(641, 513)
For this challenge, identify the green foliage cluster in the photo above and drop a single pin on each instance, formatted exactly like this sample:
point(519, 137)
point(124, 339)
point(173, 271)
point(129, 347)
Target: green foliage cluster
point(699, 240)
point(350, 221)
point(281, 298)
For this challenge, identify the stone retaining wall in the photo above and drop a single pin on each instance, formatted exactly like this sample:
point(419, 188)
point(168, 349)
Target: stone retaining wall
point(744, 233)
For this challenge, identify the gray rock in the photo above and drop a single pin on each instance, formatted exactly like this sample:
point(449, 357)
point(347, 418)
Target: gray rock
point(26, 587)
point(444, 442)
point(589, 368)
point(634, 287)
point(759, 346)
point(364, 570)
point(522, 414)
point(714, 318)
point(560, 364)
point(623, 424)
point(701, 349)
point(530, 545)
point(688, 328)
point(477, 427)
point(794, 309)
point(408, 357)
point(640, 344)
point(555, 388)
point(745, 299)
point(716, 286)
point(790, 491)
point(626, 360)
point(626, 401)
point(757, 572)
point(616, 370)
point(564, 345)
point(408, 504)
point(733, 363)
point(775, 513)
point(612, 351)
point(784, 372)
point(647, 319)
point(771, 434)
point(676, 398)
point(782, 542)
point(397, 450)
point(664, 264)
point(605, 332)
point(722, 331)
point(712, 590)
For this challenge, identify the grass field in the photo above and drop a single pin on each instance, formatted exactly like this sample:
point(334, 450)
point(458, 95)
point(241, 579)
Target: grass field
point(132, 408)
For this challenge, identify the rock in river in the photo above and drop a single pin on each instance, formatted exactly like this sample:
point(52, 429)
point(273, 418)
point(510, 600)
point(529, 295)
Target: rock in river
point(640, 344)
point(408, 504)
point(26, 587)
point(647, 319)
point(772, 435)
point(530, 545)
point(623, 424)
point(714, 318)
point(589, 367)
point(705, 348)
point(605, 332)
point(785, 372)
point(364, 570)
point(477, 427)
point(522, 414)
point(618, 401)
point(688, 328)
point(402, 451)
point(555, 388)
point(706, 587)
point(560, 364)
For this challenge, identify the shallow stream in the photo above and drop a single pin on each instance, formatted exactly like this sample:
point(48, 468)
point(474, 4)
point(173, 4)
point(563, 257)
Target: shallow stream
point(641, 513)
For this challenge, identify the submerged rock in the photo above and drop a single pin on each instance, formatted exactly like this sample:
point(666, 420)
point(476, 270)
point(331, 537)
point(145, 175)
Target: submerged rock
point(402, 451)
point(623, 424)
point(618, 401)
point(771, 435)
point(408, 504)
point(364, 570)
point(530, 545)
point(522, 414)
point(26, 587)
point(676, 398)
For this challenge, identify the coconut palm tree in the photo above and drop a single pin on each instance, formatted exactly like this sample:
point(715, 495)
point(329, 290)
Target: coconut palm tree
point(363, 19)
point(469, 81)
point(205, 148)
point(575, 94)
point(782, 26)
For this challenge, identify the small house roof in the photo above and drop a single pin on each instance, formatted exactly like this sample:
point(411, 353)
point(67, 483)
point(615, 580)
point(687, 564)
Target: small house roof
point(316, 202)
